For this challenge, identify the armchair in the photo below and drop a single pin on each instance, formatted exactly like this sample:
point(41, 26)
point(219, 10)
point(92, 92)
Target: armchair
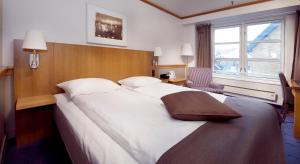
point(201, 78)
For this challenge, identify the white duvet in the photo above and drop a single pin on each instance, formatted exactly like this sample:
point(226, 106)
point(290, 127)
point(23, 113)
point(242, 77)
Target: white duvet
point(137, 119)
point(138, 123)
point(159, 90)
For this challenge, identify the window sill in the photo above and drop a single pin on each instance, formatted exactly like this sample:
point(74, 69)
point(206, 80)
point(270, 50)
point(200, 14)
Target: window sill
point(248, 79)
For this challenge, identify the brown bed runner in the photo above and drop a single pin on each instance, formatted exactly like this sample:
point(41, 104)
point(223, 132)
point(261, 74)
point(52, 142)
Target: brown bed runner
point(254, 138)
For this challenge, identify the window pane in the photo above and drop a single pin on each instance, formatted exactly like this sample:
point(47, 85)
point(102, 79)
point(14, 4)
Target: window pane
point(262, 32)
point(226, 35)
point(227, 51)
point(225, 66)
point(263, 50)
point(263, 68)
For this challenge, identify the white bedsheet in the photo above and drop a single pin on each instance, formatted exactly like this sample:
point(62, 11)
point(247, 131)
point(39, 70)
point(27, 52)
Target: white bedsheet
point(96, 145)
point(138, 123)
point(159, 90)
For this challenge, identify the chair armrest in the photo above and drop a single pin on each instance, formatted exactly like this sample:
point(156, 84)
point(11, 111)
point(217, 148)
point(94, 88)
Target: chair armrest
point(216, 86)
point(288, 96)
point(189, 83)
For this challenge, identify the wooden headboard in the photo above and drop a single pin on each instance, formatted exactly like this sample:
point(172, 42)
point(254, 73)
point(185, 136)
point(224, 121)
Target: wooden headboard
point(62, 62)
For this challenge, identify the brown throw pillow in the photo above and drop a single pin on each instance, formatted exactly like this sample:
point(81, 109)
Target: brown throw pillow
point(197, 106)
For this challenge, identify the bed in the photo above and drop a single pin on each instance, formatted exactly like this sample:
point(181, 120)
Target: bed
point(97, 136)
point(132, 126)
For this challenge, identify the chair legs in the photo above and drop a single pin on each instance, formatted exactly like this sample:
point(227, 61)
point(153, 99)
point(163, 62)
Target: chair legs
point(284, 111)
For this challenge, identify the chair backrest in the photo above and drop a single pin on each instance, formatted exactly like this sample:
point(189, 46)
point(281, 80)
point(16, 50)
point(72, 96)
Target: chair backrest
point(286, 91)
point(201, 77)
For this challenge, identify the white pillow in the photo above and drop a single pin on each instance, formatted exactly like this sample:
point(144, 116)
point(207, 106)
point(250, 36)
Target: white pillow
point(87, 86)
point(138, 81)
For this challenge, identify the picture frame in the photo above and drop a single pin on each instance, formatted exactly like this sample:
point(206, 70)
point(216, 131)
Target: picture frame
point(106, 27)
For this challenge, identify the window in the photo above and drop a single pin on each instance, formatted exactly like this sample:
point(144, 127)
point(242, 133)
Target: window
point(227, 43)
point(249, 50)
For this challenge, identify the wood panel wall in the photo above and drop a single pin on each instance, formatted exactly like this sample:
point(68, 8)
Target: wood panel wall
point(62, 62)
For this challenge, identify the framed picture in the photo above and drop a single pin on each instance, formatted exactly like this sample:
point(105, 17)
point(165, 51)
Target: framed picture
point(106, 27)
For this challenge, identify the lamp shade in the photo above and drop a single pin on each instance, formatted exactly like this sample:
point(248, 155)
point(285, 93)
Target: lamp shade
point(187, 50)
point(157, 51)
point(34, 40)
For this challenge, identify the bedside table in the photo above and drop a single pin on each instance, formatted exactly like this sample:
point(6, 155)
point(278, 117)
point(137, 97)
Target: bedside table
point(178, 81)
point(34, 118)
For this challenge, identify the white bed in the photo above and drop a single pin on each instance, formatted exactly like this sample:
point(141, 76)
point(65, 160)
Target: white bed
point(131, 126)
point(85, 142)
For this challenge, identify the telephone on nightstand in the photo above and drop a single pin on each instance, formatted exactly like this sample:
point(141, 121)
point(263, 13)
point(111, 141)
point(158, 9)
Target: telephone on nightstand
point(172, 75)
point(169, 75)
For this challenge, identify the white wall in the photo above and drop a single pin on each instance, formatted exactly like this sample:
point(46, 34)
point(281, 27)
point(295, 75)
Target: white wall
point(65, 21)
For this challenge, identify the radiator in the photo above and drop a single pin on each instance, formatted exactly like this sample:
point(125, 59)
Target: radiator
point(261, 94)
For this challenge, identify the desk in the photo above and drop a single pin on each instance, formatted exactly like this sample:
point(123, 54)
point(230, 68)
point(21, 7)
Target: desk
point(296, 92)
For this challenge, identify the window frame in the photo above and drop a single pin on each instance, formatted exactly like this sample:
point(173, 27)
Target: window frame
point(225, 59)
point(282, 46)
point(243, 58)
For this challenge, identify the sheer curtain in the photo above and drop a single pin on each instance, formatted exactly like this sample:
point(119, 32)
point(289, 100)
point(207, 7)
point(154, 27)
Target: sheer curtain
point(296, 65)
point(204, 45)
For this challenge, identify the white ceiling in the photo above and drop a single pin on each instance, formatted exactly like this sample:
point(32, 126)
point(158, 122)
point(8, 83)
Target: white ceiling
point(188, 7)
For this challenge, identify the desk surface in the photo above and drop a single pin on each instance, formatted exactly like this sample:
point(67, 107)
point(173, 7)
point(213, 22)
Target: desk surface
point(296, 92)
point(294, 85)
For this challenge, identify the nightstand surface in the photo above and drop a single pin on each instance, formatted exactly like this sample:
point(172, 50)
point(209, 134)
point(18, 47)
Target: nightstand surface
point(177, 80)
point(35, 101)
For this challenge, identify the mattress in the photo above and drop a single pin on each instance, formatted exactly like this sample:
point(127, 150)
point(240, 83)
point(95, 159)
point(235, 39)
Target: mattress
point(85, 142)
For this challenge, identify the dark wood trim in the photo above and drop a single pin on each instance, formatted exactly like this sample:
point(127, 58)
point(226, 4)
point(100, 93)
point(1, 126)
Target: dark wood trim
point(206, 12)
point(226, 8)
point(160, 8)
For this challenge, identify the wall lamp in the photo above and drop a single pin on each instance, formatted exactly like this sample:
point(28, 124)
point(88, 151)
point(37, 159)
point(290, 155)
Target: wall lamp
point(157, 54)
point(34, 41)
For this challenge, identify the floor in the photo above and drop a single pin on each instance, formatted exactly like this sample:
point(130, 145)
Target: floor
point(48, 151)
point(52, 150)
point(291, 145)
